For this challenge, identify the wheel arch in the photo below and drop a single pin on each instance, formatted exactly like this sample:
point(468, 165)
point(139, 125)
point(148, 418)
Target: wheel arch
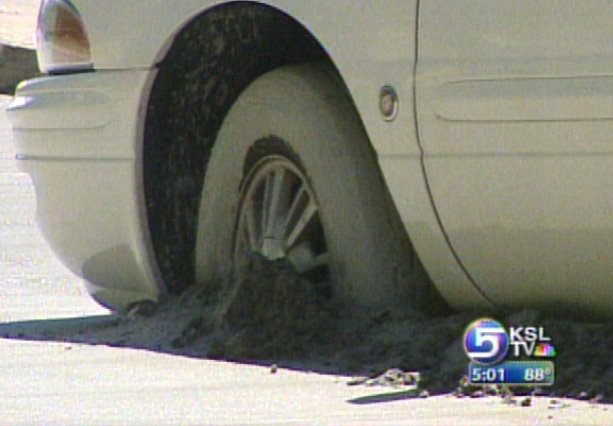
point(238, 42)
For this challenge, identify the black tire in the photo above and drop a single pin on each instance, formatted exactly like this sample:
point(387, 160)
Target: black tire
point(302, 115)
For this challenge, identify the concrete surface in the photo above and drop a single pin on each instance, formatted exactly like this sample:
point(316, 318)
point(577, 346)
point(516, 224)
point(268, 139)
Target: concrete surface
point(17, 41)
point(18, 22)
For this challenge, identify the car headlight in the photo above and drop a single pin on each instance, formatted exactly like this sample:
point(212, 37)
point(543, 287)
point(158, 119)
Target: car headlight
point(62, 43)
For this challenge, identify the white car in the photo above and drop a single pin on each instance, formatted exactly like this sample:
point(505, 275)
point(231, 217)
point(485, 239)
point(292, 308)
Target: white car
point(396, 150)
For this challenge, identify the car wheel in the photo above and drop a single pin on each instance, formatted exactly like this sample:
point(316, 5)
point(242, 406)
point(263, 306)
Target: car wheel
point(293, 178)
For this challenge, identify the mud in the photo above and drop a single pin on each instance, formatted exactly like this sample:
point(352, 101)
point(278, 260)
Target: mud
point(275, 318)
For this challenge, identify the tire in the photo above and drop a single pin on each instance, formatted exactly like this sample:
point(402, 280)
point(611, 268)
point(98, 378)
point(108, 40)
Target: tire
point(301, 119)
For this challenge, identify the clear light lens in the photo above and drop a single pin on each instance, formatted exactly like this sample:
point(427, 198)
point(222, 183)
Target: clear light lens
point(62, 41)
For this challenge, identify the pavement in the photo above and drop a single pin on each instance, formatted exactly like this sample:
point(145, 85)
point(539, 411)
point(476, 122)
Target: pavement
point(18, 22)
point(17, 41)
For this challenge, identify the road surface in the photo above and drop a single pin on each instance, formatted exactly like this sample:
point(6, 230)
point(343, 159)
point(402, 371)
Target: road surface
point(18, 22)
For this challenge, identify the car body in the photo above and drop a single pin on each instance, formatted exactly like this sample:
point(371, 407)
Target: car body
point(498, 156)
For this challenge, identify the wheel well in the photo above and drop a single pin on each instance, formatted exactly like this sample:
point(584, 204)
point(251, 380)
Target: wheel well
point(211, 61)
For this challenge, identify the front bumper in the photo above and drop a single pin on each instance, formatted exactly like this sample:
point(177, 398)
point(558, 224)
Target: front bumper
point(80, 138)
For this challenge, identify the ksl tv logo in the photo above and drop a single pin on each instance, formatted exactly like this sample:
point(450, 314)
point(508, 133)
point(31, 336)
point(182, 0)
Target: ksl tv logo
point(487, 342)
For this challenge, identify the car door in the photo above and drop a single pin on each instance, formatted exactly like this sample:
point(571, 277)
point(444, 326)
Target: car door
point(515, 115)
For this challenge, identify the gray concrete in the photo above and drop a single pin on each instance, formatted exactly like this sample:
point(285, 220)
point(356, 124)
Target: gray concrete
point(17, 35)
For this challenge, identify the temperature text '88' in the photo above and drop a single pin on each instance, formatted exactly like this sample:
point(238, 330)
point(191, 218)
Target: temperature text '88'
point(513, 373)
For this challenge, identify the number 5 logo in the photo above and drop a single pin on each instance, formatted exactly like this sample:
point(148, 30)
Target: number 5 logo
point(486, 341)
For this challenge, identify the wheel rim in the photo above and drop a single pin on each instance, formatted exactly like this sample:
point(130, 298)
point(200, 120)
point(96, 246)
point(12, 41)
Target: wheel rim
point(279, 220)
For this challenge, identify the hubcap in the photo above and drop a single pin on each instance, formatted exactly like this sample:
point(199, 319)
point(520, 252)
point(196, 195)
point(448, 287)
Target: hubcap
point(279, 219)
